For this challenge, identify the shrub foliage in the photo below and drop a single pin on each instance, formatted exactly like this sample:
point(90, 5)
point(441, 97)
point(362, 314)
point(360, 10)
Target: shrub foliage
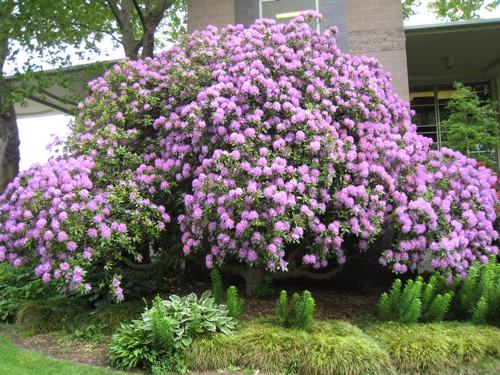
point(416, 301)
point(250, 145)
point(476, 298)
point(296, 313)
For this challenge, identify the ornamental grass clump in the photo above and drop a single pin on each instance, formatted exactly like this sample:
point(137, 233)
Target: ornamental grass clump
point(263, 146)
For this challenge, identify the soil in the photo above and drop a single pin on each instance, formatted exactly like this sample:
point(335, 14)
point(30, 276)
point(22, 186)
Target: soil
point(350, 303)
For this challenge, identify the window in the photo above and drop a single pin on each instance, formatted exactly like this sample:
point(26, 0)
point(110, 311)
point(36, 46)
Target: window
point(429, 103)
point(285, 10)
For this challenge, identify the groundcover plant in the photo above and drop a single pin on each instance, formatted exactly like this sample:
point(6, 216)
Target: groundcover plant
point(265, 145)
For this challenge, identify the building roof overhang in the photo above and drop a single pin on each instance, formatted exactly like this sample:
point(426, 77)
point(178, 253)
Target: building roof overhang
point(463, 51)
point(57, 100)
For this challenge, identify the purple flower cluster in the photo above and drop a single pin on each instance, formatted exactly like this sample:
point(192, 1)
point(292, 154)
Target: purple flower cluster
point(56, 218)
point(256, 140)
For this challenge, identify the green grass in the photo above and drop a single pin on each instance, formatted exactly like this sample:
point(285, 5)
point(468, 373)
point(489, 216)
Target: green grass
point(329, 348)
point(339, 347)
point(70, 314)
point(333, 347)
point(436, 348)
point(15, 361)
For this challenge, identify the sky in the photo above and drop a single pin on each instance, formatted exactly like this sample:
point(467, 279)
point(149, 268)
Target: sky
point(36, 133)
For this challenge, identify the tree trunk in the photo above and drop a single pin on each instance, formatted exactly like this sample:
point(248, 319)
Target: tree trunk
point(252, 277)
point(9, 146)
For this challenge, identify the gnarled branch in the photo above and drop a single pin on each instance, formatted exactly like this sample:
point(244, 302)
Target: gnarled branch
point(165, 261)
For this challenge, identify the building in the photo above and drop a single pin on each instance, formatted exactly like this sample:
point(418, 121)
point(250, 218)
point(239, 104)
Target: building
point(441, 54)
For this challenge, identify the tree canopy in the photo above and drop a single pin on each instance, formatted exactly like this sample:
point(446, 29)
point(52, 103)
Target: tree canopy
point(472, 127)
point(42, 32)
point(454, 10)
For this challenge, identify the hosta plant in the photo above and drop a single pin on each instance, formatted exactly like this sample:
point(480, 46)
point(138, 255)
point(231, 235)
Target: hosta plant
point(167, 329)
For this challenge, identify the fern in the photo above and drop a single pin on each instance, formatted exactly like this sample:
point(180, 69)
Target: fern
point(217, 286)
point(306, 311)
point(437, 309)
point(435, 306)
point(297, 313)
point(395, 295)
point(159, 324)
point(486, 309)
point(480, 312)
point(234, 303)
point(385, 307)
point(389, 303)
point(469, 292)
point(282, 308)
point(428, 295)
point(411, 306)
point(416, 301)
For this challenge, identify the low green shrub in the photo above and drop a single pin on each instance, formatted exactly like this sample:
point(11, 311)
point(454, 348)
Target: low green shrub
point(74, 316)
point(109, 317)
point(328, 348)
point(171, 364)
point(416, 301)
point(297, 313)
point(18, 285)
point(234, 303)
point(166, 329)
point(51, 315)
point(217, 286)
point(130, 347)
point(136, 284)
point(437, 348)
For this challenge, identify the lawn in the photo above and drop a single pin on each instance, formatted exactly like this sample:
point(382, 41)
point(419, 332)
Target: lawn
point(16, 361)
point(329, 347)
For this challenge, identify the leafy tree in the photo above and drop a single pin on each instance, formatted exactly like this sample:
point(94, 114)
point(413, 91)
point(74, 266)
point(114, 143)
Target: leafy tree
point(472, 125)
point(457, 10)
point(264, 150)
point(54, 31)
point(454, 10)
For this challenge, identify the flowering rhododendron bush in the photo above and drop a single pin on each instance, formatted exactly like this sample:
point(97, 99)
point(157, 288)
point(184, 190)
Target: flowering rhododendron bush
point(267, 147)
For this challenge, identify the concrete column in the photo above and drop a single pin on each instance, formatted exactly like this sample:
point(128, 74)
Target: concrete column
point(376, 30)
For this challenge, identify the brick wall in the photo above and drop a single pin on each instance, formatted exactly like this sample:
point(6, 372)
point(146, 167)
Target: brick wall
point(202, 13)
point(376, 30)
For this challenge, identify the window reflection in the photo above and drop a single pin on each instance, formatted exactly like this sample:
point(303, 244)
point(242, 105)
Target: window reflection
point(429, 104)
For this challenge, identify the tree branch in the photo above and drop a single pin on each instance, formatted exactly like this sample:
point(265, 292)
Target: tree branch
point(107, 32)
point(158, 12)
point(114, 8)
point(150, 266)
point(139, 13)
point(235, 269)
point(305, 271)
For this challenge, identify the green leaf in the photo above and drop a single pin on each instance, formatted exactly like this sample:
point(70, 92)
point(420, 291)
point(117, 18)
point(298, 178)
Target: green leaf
point(186, 341)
